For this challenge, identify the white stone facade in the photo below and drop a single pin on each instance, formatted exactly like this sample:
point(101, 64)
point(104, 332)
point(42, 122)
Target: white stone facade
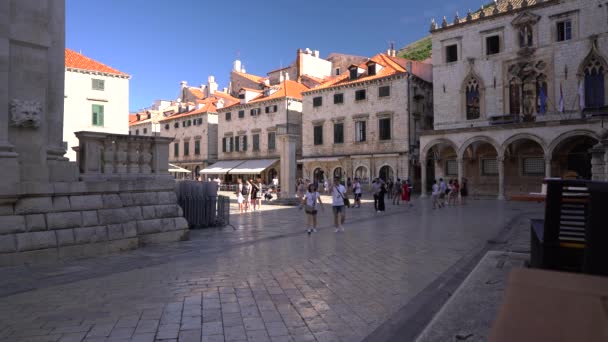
point(523, 58)
point(81, 96)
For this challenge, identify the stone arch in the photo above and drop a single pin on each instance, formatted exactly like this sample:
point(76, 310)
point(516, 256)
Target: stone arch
point(567, 135)
point(333, 170)
point(389, 166)
point(431, 144)
point(524, 136)
point(470, 82)
point(480, 138)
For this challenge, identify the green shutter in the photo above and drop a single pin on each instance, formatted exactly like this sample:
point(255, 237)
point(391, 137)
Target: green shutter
point(100, 115)
point(244, 143)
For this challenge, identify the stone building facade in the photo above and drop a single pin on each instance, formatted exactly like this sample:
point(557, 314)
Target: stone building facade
point(364, 122)
point(249, 132)
point(519, 95)
point(95, 89)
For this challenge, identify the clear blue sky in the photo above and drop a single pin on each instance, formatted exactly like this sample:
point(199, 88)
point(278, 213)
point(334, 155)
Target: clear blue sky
point(162, 42)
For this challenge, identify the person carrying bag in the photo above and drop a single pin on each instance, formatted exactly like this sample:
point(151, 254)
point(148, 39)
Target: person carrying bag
point(309, 201)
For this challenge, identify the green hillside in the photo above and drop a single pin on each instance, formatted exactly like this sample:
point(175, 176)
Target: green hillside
point(418, 50)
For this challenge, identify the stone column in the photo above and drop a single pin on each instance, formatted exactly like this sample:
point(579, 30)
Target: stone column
point(288, 165)
point(460, 172)
point(423, 176)
point(501, 177)
point(547, 166)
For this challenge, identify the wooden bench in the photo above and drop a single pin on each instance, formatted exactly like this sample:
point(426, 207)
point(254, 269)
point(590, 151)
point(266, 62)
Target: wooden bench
point(558, 242)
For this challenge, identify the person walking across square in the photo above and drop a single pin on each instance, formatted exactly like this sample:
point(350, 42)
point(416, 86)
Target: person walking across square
point(309, 200)
point(338, 193)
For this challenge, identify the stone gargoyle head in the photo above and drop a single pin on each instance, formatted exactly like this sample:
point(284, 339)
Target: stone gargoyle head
point(25, 113)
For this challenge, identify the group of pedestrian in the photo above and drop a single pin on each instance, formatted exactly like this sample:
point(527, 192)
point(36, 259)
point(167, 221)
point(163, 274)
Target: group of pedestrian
point(448, 194)
point(249, 195)
point(311, 198)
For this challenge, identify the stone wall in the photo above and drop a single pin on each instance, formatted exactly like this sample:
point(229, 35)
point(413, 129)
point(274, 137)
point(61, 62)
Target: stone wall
point(89, 218)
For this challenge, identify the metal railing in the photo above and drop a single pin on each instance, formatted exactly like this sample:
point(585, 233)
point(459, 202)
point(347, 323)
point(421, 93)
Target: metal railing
point(201, 204)
point(284, 129)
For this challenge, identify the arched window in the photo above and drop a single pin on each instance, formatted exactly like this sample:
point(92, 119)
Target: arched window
point(514, 97)
point(473, 100)
point(594, 83)
point(541, 94)
point(361, 173)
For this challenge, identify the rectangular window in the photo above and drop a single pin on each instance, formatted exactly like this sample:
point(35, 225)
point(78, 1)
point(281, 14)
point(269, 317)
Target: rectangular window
point(241, 114)
point(255, 111)
point(197, 147)
point(317, 101)
point(353, 73)
point(360, 95)
point(384, 128)
point(186, 148)
point(451, 167)
point(244, 143)
point(176, 150)
point(564, 31)
point(256, 142)
point(318, 135)
point(337, 71)
point(489, 167)
point(237, 144)
point(97, 115)
point(371, 70)
point(360, 131)
point(533, 166)
point(271, 109)
point(176, 125)
point(338, 98)
point(241, 96)
point(339, 133)
point(231, 144)
point(98, 84)
point(384, 91)
point(228, 116)
point(224, 145)
point(451, 53)
point(492, 45)
point(145, 131)
point(271, 141)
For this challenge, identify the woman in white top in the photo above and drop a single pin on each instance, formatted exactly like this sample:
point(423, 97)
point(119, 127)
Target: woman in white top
point(239, 195)
point(309, 201)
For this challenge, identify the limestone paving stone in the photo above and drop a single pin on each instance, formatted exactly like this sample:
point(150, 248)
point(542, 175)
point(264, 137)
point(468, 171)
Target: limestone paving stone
point(8, 244)
point(65, 237)
point(91, 234)
point(35, 222)
point(148, 212)
point(129, 229)
point(61, 203)
point(62, 220)
point(36, 240)
point(115, 232)
point(86, 202)
point(89, 218)
point(149, 226)
point(134, 213)
point(111, 216)
point(12, 224)
point(33, 205)
point(111, 201)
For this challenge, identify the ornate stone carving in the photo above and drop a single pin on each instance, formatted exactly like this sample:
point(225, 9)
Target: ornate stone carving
point(444, 22)
point(25, 113)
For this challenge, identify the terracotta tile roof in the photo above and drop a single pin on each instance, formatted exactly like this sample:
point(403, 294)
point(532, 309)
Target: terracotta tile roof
point(132, 118)
point(316, 79)
point(254, 78)
point(390, 66)
point(286, 89)
point(251, 89)
point(225, 96)
point(208, 107)
point(76, 60)
point(196, 92)
point(499, 7)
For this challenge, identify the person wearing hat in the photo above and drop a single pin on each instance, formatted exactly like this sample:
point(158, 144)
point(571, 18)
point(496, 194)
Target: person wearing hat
point(338, 193)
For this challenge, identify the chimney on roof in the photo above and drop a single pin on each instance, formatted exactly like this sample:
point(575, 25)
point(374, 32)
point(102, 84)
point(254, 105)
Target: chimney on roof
point(391, 52)
point(211, 86)
point(315, 53)
point(281, 77)
point(236, 65)
point(267, 82)
point(225, 90)
point(286, 76)
point(184, 84)
point(299, 64)
point(243, 69)
point(308, 51)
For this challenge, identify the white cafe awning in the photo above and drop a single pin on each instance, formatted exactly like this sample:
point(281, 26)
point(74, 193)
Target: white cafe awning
point(177, 169)
point(251, 167)
point(222, 166)
point(320, 159)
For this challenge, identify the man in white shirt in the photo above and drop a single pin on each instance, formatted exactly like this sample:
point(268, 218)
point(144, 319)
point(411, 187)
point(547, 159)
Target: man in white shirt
point(435, 195)
point(358, 192)
point(338, 193)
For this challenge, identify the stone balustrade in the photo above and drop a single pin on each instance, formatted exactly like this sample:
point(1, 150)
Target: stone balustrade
point(103, 156)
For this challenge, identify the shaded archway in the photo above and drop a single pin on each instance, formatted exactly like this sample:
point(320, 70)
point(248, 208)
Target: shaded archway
point(339, 172)
point(318, 176)
point(439, 159)
point(362, 173)
point(524, 164)
point(386, 173)
point(482, 166)
point(570, 156)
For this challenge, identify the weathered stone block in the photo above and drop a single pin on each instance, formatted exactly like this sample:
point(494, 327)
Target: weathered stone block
point(167, 210)
point(35, 222)
point(12, 224)
point(167, 197)
point(36, 240)
point(134, 213)
point(148, 212)
point(7, 209)
point(144, 198)
point(61, 203)
point(115, 231)
point(33, 205)
point(148, 226)
point(111, 201)
point(167, 224)
point(181, 223)
point(8, 244)
point(111, 216)
point(89, 218)
point(91, 234)
point(65, 237)
point(126, 198)
point(88, 202)
point(129, 229)
point(68, 219)
point(177, 235)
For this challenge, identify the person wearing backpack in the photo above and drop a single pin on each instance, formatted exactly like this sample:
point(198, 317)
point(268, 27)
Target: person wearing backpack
point(309, 201)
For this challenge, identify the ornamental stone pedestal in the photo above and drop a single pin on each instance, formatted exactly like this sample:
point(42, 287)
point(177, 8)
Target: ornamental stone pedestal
point(120, 194)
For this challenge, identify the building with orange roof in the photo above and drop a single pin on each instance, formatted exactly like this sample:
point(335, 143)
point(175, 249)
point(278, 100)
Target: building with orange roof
point(96, 99)
point(364, 123)
point(247, 131)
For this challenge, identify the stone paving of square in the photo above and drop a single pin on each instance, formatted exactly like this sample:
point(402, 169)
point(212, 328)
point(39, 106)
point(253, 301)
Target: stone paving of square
point(264, 280)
